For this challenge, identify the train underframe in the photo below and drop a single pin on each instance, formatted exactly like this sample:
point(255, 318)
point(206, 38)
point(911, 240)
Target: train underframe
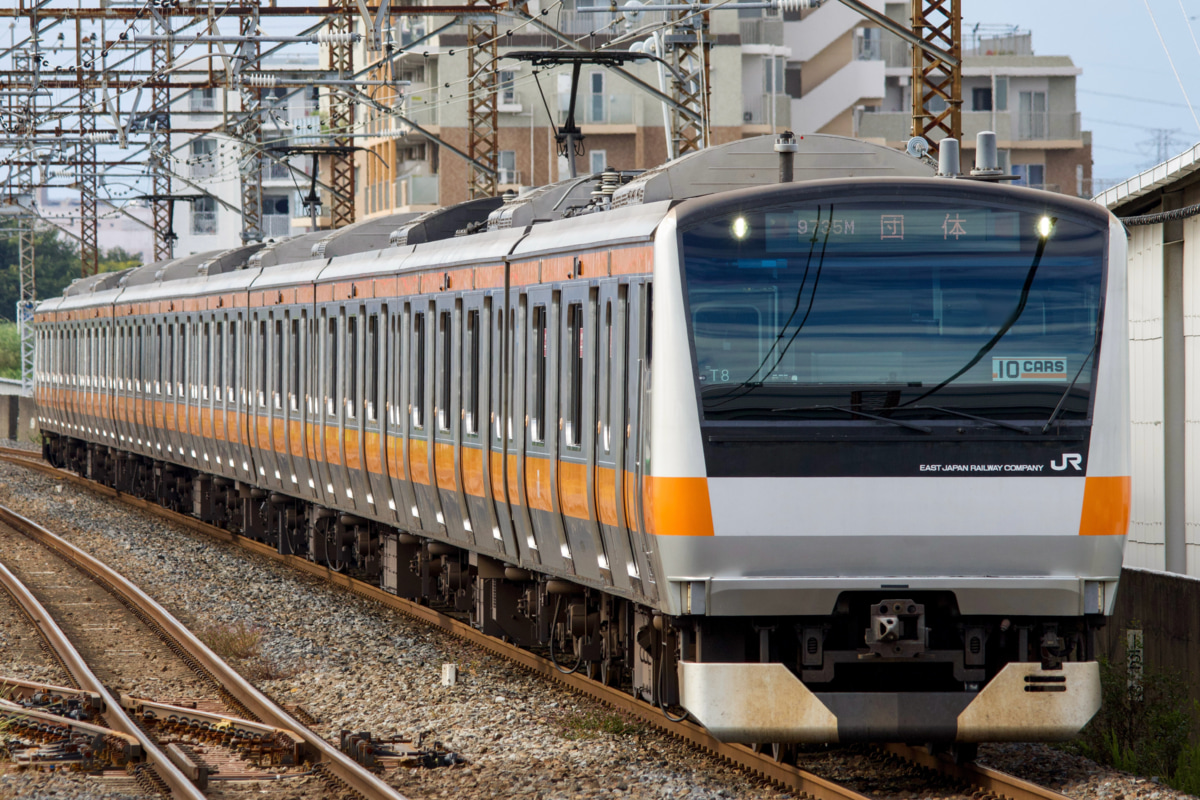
point(912, 648)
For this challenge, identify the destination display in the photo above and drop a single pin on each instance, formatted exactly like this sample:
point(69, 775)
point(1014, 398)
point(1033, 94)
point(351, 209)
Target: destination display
point(941, 229)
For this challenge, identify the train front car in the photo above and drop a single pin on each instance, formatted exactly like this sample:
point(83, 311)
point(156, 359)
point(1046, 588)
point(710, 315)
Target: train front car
point(888, 459)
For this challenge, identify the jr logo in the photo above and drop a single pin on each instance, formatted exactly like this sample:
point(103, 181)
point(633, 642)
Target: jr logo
point(1073, 459)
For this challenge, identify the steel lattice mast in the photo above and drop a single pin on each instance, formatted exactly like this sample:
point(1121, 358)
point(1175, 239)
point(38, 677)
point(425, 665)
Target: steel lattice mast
point(938, 23)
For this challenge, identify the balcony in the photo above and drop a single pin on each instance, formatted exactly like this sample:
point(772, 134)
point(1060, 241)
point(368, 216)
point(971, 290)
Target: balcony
point(756, 110)
point(1010, 127)
point(275, 226)
point(275, 171)
point(416, 190)
point(764, 30)
point(599, 109)
point(204, 223)
point(508, 177)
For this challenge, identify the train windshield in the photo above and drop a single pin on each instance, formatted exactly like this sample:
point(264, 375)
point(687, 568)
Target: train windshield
point(915, 309)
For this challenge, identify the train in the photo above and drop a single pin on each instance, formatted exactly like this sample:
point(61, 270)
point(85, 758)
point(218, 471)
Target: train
point(836, 458)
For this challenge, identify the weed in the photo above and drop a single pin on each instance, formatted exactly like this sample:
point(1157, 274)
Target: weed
point(240, 645)
point(238, 641)
point(1146, 734)
point(590, 724)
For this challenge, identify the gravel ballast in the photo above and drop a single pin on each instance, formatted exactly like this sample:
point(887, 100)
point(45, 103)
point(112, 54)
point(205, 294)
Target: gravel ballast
point(357, 666)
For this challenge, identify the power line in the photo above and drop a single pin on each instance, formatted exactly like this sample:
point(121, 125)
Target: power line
point(1132, 98)
point(1171, 61)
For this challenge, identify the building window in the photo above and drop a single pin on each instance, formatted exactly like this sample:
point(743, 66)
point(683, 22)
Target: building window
point(596, 98)
point(204, 100)
point(202, 160)
point(204, 216)
point(276, 215)
point(508, 87)
point(507, 165)
point(981, 99)
point(598, 161)
point(1001, 97)
point(1032, 115)
point(1033, 175)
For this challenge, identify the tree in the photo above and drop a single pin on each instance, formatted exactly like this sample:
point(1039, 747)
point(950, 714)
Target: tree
point(118, 258)
point(56, 262)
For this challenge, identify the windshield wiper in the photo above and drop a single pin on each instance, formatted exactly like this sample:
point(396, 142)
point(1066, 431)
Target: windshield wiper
point(1058, 406)
point(1016, 313)
point(965, 415)
point(857, 413)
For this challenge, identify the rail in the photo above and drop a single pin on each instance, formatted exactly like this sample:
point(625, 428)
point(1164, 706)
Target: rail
point(340, 765)
point(82, 674)
point(984, 778)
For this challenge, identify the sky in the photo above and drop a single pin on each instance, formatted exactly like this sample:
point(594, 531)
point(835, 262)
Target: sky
point(1128, 95)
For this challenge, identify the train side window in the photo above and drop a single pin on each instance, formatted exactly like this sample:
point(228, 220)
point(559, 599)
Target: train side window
point(352, 364)
point(331, 373)
point(207, 360)
point(278, 388)
point(472, 374)
point(416, 381)
point(574, 404)
point(606, 342)
point(294, 387)
point(442, 399)
point(260, 353)
point(137, 358)
point(537, 415)
point(219, 386)
point(372, 364)
point(233, 359)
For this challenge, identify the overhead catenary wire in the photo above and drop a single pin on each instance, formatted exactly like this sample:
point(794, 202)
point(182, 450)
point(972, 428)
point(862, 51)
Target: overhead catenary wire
point(1171, 61)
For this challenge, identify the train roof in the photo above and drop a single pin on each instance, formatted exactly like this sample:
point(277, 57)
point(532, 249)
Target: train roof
point(614, 207)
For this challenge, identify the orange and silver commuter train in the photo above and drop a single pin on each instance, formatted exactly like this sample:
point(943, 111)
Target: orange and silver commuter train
point(839, 459)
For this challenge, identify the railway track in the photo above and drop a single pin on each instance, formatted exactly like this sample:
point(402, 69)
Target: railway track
point(983, 781)
point(274, 734)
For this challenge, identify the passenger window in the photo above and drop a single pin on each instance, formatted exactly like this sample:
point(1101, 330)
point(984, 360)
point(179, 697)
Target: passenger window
point(294, 388)
point(220, 347)
point(233, 359)
point(331, 373)
point(606, 342)
point(352, 365)
point(574, 404)
point(417, 375)
point(372, 371)
point(471, 381)
point(260, 352)
point(278, 388)
point(537, 415)
point(442, 399)
point(207, 361)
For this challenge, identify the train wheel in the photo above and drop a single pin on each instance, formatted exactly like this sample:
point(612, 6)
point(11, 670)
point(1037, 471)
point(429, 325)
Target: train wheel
point(783, 753)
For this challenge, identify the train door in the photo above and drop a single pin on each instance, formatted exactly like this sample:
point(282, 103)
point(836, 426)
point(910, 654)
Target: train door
point(375, 359)
point(355, 407)
point(294, 458)
point(476, 403)
point(326, 420)
point(576, 443)
point(637, 372)
point(610, 433)
point(516, 428)
point(246, 399)
point(222, 397)
point(421, 423)
point(278, 473)
point(447, 419)
point(541, 444)
point(403, 499)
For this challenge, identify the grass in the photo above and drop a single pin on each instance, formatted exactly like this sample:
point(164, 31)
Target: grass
point(10, 351)
point(1144, 733)
point(241, 645)
point(591, 724)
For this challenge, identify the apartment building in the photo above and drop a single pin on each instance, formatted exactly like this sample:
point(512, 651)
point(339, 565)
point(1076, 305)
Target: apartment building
point(624, 126)
point(851, 78)
point(208, 164)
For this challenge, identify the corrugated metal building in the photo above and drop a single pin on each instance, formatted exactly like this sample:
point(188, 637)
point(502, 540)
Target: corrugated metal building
point(1164, 330)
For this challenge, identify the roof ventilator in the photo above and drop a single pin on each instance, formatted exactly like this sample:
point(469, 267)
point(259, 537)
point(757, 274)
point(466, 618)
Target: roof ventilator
point(786, 146)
